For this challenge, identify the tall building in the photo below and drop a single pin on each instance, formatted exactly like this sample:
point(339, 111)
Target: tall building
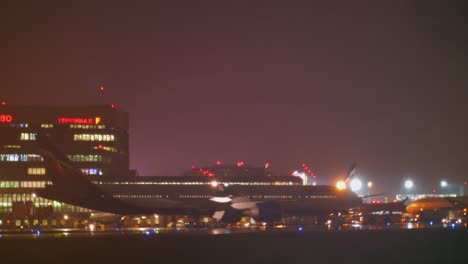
point(95, 138)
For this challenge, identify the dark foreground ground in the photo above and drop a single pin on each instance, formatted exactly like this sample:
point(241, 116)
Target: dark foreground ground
point(385, 246)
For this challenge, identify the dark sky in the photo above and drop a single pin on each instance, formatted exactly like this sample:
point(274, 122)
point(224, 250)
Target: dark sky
point(325, 84)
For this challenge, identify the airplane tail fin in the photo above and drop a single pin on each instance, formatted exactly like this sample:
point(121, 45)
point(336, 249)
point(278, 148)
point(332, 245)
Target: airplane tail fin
point(352, 171)
point(68, 182)
point(61, 170)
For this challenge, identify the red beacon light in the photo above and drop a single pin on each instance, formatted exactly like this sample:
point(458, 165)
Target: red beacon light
point(100, 146)
point(218, 162)
point(267, 165)
point(112, 106)
point(101, 88)
point(3, 103)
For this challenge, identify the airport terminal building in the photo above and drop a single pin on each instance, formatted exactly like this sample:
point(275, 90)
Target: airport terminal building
point(95, 138)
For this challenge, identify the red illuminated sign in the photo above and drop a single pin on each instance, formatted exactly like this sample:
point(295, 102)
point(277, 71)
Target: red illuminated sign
point(80, 120)
point(6, 118)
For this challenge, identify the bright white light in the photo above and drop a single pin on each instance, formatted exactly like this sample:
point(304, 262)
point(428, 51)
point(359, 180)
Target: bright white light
point(65, 217)
point(214, 184)
point(341, 185)
point(370, 184)
point(301, 175)
point(443, 184)
point(356, 185)
point(409, 184)
point(220, 199)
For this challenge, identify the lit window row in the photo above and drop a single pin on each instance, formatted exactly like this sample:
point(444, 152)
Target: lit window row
point(137, 196)
point(34, 184)
point(85, 158)
point(20, 157)
point(195, 196)
point(203, 183)
point(88, 126)
point(106, 148)
point(24, 184)
point(28, 136)
point(14, 125)
point(7, 200)
point(36, 171)
point(93, 137)
point(9, 184)
point(47, 125)
point(12, 146)
point(91, 171)
point(277, 197)
point(321, 197)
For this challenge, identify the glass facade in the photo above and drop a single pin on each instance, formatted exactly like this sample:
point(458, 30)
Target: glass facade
point(22, 168)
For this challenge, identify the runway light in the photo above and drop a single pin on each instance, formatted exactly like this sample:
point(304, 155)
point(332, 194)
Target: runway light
point(299, 229)
point(147, 232)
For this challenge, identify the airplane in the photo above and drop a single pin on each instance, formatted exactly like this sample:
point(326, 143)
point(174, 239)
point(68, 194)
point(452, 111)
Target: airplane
point(398, 206)
point(438, 208)
point(70, 186)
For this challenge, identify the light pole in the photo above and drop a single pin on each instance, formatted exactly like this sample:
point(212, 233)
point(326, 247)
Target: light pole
point(443, 186)
point(369, 187)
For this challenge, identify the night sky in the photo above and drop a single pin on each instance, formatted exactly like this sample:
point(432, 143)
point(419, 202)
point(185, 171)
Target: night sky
point(324, 84)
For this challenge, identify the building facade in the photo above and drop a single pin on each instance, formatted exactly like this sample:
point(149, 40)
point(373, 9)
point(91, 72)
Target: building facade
point(95, 138)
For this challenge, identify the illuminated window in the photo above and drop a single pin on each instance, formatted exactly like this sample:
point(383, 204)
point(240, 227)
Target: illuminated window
point(47, 125)
point(33, 184)
point(93, 137)
point(9, 184)
point(85, 158)
point(12, 146)
point(91, 171)
point(36, 171)
point(106, 148)
point(20, 157)
point(28, 136)
point(88, 126)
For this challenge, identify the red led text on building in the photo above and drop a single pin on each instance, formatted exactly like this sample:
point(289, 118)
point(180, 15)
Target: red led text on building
point(80, 120)
point(6, 118)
